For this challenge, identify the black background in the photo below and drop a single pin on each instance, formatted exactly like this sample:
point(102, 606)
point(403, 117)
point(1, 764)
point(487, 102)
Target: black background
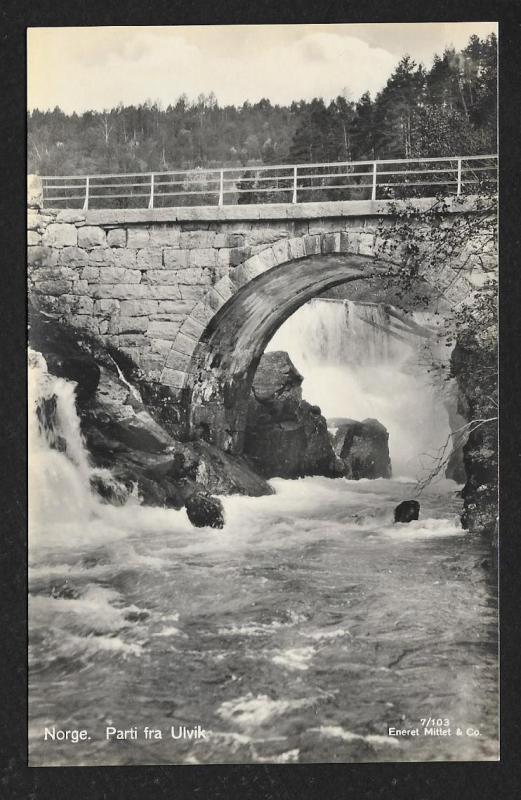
point(404, 781)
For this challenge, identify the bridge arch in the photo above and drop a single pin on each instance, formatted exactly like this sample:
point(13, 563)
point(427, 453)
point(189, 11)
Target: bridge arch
point(238, 317)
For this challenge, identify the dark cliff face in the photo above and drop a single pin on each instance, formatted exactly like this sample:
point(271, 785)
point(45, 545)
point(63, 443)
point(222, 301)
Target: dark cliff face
point(285, 436)
point(474, 365)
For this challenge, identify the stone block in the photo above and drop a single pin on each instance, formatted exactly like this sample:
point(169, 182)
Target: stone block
point(167, 331)
point(80, 287)
point(185, 344)
point(326, 225)
point(330, 243)
point(54, 287)
point(175, 319)
point(202, 313)
point(78, 305)
point(90, 274)
point(268, 258)
point(119, 275)
point(138, 237)
point(312, 244)
point(177, 360)
point(191, 276)
point(265, 236)
point(101, 255)
point(296, 248)
point(39, 256)
point(84, 322)
point(73, 256)
point(33, 238)
point(224, 257)
point(345, 243)
point(150, 258)
point(226, 288)
point(60, 235)
point(90, 236)
point(139, 308)
point(229, 240)
point(132, 340)
point(160, 346)
point(175, 259)
point(281, 251)
point(38, 222)
point(117, 237)
point(206, 257)
point(72, 216)
point(250, 269)
point(193, 327)
point(132, 324)
point(123, 257)
point(122, 291)
point(191, 294)
point(214, 300)
point(366, 244)
point(53, 274)
point(106, 307)
point(197, 239)
point(171, 307)
point(174, 378)
point(163, 292)
point(152, 365)
point(238, 255)
point(164, 236)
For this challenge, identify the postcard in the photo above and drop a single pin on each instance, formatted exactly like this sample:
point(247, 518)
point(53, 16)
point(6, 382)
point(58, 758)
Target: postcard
point(262, 290)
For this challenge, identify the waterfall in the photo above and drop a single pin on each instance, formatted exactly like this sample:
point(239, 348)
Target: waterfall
point(60, 474)
point(356, 364)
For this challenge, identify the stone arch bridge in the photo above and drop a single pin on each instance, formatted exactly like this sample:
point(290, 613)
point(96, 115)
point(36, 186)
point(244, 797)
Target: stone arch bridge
point(193, 295)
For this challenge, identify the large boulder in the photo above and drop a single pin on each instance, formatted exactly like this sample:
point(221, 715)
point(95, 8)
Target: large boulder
point(285, 436)
point(204, 510)
point(363, 448)
point(407, 511)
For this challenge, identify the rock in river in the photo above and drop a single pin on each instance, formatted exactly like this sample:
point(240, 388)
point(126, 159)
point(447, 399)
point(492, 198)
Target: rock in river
point(285, 436)
point(204, 510)
point(363, 448)
point(406, 511)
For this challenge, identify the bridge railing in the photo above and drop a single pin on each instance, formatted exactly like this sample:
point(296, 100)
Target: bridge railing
point(284, 183)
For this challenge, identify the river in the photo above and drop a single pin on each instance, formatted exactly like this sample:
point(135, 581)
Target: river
point(301, 632)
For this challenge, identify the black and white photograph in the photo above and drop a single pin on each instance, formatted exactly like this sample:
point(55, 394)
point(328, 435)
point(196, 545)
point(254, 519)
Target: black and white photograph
point(262, 288)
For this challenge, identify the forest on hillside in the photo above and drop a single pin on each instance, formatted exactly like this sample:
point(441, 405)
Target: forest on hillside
point(448, 109)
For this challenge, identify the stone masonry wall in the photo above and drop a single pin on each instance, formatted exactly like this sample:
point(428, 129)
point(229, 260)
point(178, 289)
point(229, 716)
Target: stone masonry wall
point(136, 285)
point(148, 282)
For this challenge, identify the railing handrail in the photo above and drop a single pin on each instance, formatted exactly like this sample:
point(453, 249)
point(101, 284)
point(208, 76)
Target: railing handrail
point(264, 167)
point(387, 174)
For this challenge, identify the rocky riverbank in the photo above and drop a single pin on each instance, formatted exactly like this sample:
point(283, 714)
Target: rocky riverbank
point(474, 365)
point(127, 430)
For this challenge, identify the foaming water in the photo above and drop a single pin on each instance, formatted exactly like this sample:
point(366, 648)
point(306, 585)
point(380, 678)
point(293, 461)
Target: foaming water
point(355, 365)
point(298, 633)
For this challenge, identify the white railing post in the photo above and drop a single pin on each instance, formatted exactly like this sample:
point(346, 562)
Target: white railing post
point(151, 201)
point(221, 187)
point(294, 184)
point(458, 192)
point(373, 192)
point(86, 201)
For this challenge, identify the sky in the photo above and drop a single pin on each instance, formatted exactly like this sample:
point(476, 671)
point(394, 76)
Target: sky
point(98, 67)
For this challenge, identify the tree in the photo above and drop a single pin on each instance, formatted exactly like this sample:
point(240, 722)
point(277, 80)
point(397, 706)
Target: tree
point(463, 253)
